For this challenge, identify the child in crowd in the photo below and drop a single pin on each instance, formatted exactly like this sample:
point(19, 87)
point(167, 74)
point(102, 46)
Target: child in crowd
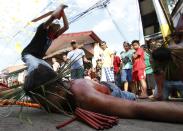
point(138, 73)
point(150, 80)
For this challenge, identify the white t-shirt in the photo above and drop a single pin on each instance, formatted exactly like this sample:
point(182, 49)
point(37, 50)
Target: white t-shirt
point(76, 56)
point(56, 66)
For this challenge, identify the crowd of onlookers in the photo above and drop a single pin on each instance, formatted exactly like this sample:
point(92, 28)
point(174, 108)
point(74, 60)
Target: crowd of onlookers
point(131, 71)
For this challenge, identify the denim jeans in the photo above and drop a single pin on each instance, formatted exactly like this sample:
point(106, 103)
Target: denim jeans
point(169, 85)
point(117, 92)
point(32, 62)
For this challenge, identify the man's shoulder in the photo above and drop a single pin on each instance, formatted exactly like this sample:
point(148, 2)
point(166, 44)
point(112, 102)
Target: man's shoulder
point(108, 50)
point(41, 27)
point(79, 49)
point(140, 49)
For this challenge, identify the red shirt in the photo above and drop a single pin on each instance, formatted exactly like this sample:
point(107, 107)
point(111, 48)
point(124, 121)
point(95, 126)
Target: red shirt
point(139, 62)
point(116, 64)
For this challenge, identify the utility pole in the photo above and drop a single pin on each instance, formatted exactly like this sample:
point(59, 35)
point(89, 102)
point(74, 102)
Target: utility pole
point(163, 21)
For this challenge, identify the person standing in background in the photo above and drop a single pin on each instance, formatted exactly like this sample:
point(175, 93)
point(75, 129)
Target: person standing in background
point(65, 64)
point(107, 63)
point(126, 72)
point(138, 73)
point(150, 80)
point(55, 65)
point(117, 64)
point(77, 56)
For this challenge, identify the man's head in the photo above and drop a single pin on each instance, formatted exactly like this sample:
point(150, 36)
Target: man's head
point(54, 60)
point(53, 28)
point(74, 44)
point(161, 55)
point(126, 46)
point(135, 44)
point(144, 47)
point(64, 57)
point(103, 45)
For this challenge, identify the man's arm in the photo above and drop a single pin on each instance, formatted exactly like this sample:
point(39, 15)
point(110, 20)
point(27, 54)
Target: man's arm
point(85, 59)
point(49, 21)
point(137, 54)
point(57, 14)
point(66, 24)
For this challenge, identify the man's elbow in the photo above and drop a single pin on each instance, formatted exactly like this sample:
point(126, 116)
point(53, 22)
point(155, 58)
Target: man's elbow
point(66, 27)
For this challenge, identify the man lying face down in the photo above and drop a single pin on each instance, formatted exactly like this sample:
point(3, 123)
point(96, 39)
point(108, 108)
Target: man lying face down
point(45, 87)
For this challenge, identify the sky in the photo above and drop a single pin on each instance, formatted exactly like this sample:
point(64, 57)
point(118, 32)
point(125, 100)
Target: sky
point(16, 30)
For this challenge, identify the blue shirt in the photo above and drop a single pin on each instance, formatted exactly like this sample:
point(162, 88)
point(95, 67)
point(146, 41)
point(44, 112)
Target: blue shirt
point(76, 56)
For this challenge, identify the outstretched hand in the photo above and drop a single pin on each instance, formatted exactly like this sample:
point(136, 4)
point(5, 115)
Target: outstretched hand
point(59, 11)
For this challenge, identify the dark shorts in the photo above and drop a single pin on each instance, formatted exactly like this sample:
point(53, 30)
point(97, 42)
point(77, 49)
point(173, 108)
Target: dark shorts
point(151, 83)
point(77, 73)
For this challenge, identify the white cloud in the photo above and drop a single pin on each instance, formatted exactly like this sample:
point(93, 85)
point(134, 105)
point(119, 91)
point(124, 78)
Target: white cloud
point(104, 26)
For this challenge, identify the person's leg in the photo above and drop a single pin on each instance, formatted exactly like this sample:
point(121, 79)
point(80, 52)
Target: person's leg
point(118, 79)
point(166, 89)
point(124, 79)
point(123, 94)
point(129, 79)
point(125, 86)
point(169, 85)
point(156, 111)
point(73, 74)
point(32, 62)
point(152, 84)
point(103, 75)
point(109, 72)
point(141, 78)
point(159, 78)
point(80, 73)
point(117, 92)
point(144, 87)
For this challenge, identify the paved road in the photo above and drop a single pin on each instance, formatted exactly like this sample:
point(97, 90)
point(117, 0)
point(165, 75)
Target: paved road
point(42, 121)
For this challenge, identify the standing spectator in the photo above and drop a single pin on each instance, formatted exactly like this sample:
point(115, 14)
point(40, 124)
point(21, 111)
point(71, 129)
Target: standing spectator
point(126, 73)
point(55, 65)
point(65, 61)
point(139, 68)
point(151, 83)
point(77, 56)
point(117, 64)
point(98, 69)
point(65, 64)
point(107, 63)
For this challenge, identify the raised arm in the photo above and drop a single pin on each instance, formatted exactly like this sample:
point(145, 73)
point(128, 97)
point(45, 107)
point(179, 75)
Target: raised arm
point(66, 25)
point(57, 14)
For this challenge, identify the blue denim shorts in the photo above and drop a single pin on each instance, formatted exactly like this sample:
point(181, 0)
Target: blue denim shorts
point(126, 75)
point(169, 85)
point(117, 92)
